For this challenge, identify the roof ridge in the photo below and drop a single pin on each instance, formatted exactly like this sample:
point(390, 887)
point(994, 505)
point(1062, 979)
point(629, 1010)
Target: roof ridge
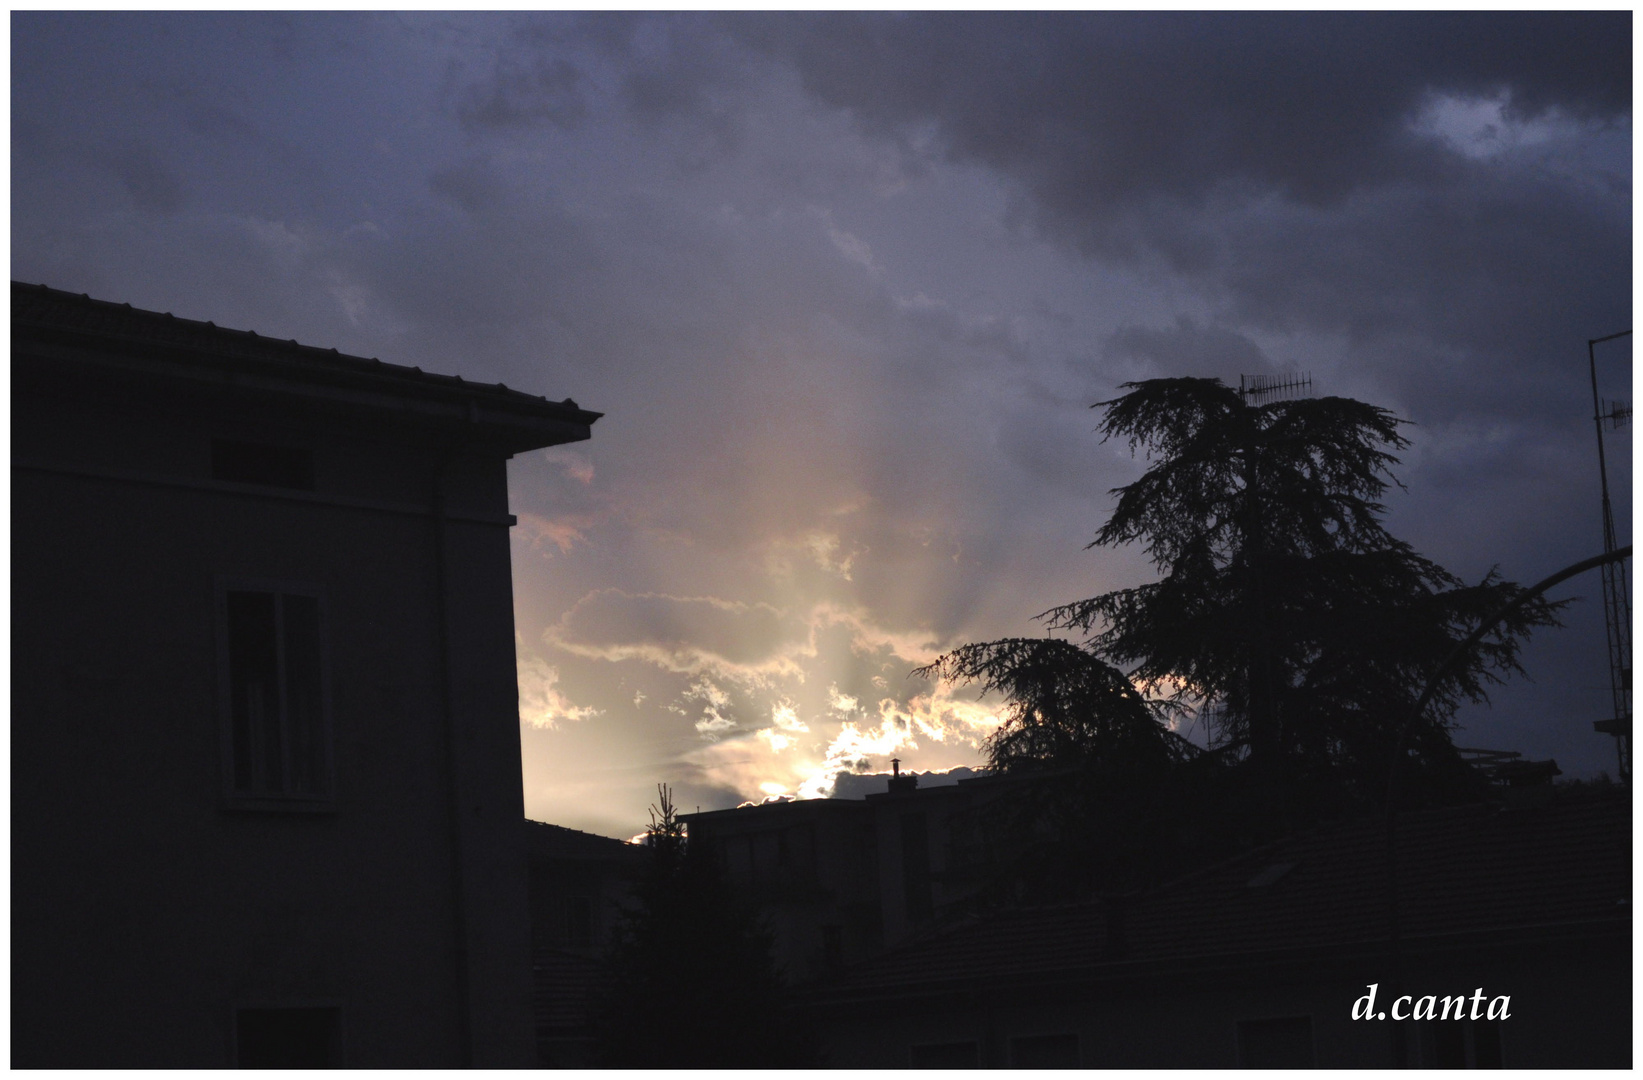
point(123, 320)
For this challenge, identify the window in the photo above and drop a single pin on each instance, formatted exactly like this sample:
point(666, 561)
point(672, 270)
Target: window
point(738, 855)
point(798, 854)
point(1044, 1052)
point(915, 868)
point(1465, 1043)
point(1284, 1043)
point(774, 858)
point(832, 947)
point(307, 1038)
point(579, 922)
point(954, 1055)
point(261, 463)
point(277, 739)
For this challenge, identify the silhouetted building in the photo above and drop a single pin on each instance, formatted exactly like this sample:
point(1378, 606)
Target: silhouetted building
point(580, 884)
point(1261, 960)
point(811, 867)
point(839, 880)
point(266, 792)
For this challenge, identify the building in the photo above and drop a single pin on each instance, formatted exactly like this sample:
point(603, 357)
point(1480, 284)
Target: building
point(266, 792)
point(580, 886)
point(1265, 959)
point(840, 880)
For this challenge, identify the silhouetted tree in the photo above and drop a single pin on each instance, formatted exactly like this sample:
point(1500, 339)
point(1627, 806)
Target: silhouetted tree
point(693, 981)
point(1067, 707)
point(1286, 616)
point(1284, 601)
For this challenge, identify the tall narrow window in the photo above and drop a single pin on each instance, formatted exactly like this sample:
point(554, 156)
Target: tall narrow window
point(1282, 1043)
point(915, 868)
point(288, 1038)
point(278, 744)
point(1044, 1052)
point(954, 1055)
point(832, 947)
point(579, 922)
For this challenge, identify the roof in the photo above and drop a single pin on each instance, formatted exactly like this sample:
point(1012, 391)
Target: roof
point(557, 842)
point(1480, 870)
point(67, 325)
point(762, 814)
point(785, 808)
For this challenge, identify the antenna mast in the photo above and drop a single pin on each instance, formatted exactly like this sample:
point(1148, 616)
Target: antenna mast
point(1273, 387)
point(1617, 607)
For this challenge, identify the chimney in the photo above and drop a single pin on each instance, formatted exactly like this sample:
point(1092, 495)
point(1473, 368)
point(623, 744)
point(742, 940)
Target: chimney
point(899, 784)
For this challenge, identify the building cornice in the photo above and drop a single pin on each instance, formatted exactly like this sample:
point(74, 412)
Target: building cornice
point(70, 330)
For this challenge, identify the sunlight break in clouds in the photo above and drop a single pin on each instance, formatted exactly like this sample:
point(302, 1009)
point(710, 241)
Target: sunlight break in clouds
point(540, 702)
point(713, 702)
point(563, 532)
point(779, 760)
point(685, 634)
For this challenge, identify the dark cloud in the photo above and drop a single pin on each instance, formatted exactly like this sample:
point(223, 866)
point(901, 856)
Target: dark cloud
point(1091, 111)
point(473, 185)
point(153, 187)
point(1189, 349)
point(1446, 193)
point(528, 78)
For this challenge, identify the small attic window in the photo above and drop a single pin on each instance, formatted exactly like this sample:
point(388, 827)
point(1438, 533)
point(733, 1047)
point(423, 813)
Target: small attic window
point(1270, 874)
point(262, 463)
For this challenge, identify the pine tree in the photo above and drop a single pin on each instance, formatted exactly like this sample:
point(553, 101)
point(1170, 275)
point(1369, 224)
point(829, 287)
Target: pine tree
point(693, 981)
point(1286, 617)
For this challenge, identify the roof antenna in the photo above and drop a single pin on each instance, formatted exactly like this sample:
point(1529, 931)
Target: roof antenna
point(1617, 607)
point(1276, 388)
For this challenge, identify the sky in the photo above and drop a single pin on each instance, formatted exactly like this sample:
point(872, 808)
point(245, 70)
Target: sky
point(846, 286)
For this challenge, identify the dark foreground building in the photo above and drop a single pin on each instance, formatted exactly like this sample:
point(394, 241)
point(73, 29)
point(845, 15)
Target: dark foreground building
point(266, 791)
point(840, 880)
point(580, 885)
point(1262, 960)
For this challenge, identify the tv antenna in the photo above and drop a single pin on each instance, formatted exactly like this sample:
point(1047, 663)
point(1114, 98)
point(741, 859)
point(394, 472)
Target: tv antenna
point(1273, 387)
point(1617, 606)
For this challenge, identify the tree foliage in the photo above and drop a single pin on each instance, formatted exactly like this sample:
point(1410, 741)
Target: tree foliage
point(1066, 706)
point(1285, 615)
point(693, 981)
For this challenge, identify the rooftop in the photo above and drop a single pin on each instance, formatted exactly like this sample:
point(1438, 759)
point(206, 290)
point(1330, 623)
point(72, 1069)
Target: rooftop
point(1509, 871)
point(64, 324)
point(558, 842)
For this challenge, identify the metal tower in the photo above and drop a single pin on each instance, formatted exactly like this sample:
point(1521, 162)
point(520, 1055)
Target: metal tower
point(1617, 605)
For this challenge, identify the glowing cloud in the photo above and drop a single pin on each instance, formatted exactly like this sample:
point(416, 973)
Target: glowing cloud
point(563, 532)
point(687, 634)
point(713, 702)
point(540, 702)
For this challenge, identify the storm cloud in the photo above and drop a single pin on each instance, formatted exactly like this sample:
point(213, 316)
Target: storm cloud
point(845, 287)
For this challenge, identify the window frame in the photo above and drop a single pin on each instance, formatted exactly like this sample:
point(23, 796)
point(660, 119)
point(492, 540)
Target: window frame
point(287, 801)
point(1245, 1027)
point(915, 1051)
point(1019, 1042)
point(335, 1006)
